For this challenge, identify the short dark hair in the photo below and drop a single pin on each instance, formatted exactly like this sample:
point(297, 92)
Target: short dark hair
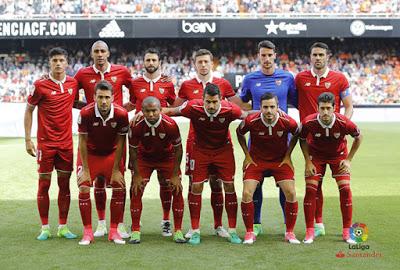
point(103, 85)
point(320, 45)
point(152, 51)
point(326, 97)
point(268, 96)
point(266, 44)
point(211, 90)
point(58, 51)
point(202, 52)
point(150, 100)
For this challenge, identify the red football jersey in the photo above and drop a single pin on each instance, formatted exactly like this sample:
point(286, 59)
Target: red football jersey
point(143, 87)
point(103, 133)
point(328, 143)
point(309, 87)
point(54, 100)
point(268, 141)
point(210, 131)
point(193, 89)
point(117, 75)
point(155, 142)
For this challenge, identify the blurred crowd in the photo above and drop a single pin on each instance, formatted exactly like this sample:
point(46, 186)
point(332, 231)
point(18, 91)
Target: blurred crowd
point(56, 8)
point(371, 66)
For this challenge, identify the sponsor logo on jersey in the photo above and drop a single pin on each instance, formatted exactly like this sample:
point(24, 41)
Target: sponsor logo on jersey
point(114, 79)
point(336, 135)
point(317, 135)
point(327, 85)
point(142, 90)
point(261, 133)
point(258, 84)
point(113, 124)
point(93, 81)
point(112, 30)
point(162, 135)
point(161, 90)
point(195, 91)
point(202, 119)
point(221, 120)
point(54, 92)
point(307, 84)
point(147, 134)
point(280, 133)
point(278, 82)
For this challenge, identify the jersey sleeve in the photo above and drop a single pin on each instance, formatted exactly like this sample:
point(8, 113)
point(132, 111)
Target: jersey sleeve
point(244, 126)
point(236, 111)
point(228, 90)
point(293, 126)
point(82, 122)
point(352, 129)
point(245, 92)
point(127, 78)
point(175, 135)
point(132, 97)
point(171, 96)
point(35, 94)
point(134, 136)
point(182, 92)
point(344, 87)
point(186, 109)
point(292, 92)
point(303, 131)
point(123, 127)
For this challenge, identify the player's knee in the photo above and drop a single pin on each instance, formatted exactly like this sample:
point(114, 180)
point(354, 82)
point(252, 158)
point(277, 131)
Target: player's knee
point(84, 189)
point(44, 186)
point(215, 184)
point(197, 188)
point(45, 176)
point(229, 187)
point(290, 195)
point(247, 195)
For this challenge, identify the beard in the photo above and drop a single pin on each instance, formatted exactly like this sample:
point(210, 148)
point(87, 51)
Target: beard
point(151, 70)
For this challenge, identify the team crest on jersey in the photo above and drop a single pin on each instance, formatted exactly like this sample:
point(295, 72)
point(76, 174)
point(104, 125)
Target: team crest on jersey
point(161, 90)
point(327, 85)
point(221, 120)
point(195, 91)
point(113, 124)
point(53, 92)
point(147, 134)
point(280, 133)
point(258, 84)
point(278, 82)
point(70, 91)
point(162, 135)
point(114, 79)
point(317, 135)
point(93, 81)
point(336, 135)
point(95, 124)
point(307, 84)
point(142, 90)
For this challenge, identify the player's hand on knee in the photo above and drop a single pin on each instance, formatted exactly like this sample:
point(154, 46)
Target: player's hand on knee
point(287, 161)
point(137, 183)
point(344, 166)
point(175, 183)
point(310, 169)
point(117, 178)
point(30, 148)
point(83, 177)
point(247, 162)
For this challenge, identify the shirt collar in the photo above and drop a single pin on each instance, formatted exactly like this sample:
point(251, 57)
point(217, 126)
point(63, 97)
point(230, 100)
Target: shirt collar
point(106, 71)
point(200, 81)
point(325, 126)
point(270, 125)
point(58, 82)
point(156, 124)
point(98, 114)
point(151, 80)
point(214, 114)
point(322, 76)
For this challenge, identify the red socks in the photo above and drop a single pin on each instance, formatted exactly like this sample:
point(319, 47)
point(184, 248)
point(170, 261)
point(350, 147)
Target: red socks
point(231, 208)
point(64, 199)
point(195, 208)
point(85, 207)
point(217, 204)
point(43, 200)
point(117, 206)
point(319, 204)
point(291, 209)
point(248, 215)
point(309, 204)
point(166, 197)
point(177, 208)
point(346, 204)
point(136, 209)
point(100, 197)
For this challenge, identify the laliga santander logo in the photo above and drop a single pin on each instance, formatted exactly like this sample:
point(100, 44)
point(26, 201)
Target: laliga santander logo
point(359, 232)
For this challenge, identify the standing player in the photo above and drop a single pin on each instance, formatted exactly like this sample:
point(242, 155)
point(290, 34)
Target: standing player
point(310, 84)
point(102, 133)
point(155, 144)
point(267, 80)
point(151, 84)
point(117, 76)
point(212, 153)
point(193, 89)
point(323, 142)
point(269, 130)
point(54, 98)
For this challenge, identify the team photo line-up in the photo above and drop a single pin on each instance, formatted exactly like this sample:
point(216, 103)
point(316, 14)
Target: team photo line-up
point(210, 104)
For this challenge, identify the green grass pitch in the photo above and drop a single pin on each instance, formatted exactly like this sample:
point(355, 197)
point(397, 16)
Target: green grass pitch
point(375, 186)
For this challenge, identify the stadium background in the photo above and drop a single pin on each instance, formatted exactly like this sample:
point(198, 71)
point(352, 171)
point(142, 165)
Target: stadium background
point(364, 38)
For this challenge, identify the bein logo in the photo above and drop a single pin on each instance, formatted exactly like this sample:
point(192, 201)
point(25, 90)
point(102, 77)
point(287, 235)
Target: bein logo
point(198, 27)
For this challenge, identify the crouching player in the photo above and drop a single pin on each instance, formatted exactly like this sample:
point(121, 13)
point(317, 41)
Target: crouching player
point(323, 142)
point(102, 133)
point(155, 145)
point(269, 130)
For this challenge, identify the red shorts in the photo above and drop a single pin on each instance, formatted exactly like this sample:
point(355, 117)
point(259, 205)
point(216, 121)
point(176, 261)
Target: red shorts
point(50, 157)
point(273, 169)
point(320, 166)
point(164, 169)
point(99, 166)
point(219, 162)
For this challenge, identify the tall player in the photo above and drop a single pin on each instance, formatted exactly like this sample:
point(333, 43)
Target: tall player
point(268, 79)
point(102, 134)
point(117, 76)
point(155, 144)
point(193, 89)
point(151, 84)
point(54, 98)
point(323, 142)
point(269, 130)
point(310, 84)
point(212, 153)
